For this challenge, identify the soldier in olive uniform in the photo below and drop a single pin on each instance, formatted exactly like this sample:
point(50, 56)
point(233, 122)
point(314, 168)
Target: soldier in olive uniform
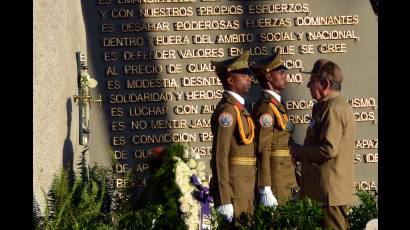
point(276, 172)
point(328, 149)
point(233, 160)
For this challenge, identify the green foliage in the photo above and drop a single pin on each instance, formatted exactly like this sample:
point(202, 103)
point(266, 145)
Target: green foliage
point(263, 217)
point(90, 201)
point(36, 214)
point(162, 187)
point(57, 211)
point(295, 214)
point(78, 205)
point(298, 214)
point(365, 211)
point(158, 203)
point(217, 221)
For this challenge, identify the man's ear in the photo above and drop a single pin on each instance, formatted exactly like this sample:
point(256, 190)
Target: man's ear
point(325, 83)
point(268, 77)
point(229, 80)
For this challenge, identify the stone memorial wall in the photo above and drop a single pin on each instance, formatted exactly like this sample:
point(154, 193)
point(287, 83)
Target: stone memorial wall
point(152, 61)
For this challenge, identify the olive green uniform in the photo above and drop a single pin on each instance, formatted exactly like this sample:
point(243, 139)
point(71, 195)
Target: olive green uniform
point(233, 163)
point(273, 170)
point(327, 158)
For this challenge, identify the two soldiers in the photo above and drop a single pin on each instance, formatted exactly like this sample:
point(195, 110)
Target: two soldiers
point(234, 157)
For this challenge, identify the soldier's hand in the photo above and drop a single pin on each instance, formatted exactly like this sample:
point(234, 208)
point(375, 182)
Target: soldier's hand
point(267, 198)
point(226, 211)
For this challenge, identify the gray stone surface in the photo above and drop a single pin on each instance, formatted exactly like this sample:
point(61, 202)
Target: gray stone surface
point(58, 33)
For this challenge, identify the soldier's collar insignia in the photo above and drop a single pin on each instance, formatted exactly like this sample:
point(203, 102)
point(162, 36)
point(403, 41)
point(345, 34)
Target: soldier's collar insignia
point(239, 105)
point(274, 101)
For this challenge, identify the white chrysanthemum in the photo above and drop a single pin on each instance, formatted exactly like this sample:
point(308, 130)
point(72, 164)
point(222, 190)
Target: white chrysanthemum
point(196, 156)
point(184, 199)
point(178, 171)
point(180, 163)
point(182, 166)
point(186, 172)
point(197, 171)
point(192, 201)
point(201, 165)
point(185, 207)
point(182, 174)
point(192, 163)
point(185, 189)
point(179, 177)
point(201, 175)
point(192, 218)
point(188, 204)
point(192, 224)
point(195, 219)
point(179, 180)
point(195, 208)
point(92, 83)
point(86, 80)
point(185, 155)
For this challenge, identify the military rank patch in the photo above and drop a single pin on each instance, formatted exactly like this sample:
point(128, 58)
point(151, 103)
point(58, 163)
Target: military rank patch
point(266, 120)
point(225, 119)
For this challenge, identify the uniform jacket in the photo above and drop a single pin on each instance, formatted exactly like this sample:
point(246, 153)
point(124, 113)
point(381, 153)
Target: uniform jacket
point(230, 181)
point(328, 152)
point(273, 171)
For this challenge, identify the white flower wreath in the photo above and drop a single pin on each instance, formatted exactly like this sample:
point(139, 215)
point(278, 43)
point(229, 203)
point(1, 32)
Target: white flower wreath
point(184, 169)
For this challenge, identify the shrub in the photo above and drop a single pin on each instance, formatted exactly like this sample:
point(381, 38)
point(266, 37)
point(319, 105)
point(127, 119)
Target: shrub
point(295, 214)
point(77, 202)
point(365, 211)
point(89, 201)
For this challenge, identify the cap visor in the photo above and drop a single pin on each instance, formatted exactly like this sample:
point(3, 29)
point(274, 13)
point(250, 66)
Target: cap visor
point(305, 72)
point(281, 67)
point(245, 71)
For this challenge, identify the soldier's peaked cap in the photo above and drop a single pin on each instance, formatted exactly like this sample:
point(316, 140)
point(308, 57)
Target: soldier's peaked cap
point(237, 65)
point(268, 64)
point(323, 66)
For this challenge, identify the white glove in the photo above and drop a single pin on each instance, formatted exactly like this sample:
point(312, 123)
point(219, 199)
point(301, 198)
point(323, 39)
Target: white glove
point(226, 211)
point(266, 197)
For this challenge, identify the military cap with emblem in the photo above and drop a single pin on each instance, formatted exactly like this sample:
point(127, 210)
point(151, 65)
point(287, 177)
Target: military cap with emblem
point(326, 66)
point(326, 69)
point(266, 65)
point(234, 65)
